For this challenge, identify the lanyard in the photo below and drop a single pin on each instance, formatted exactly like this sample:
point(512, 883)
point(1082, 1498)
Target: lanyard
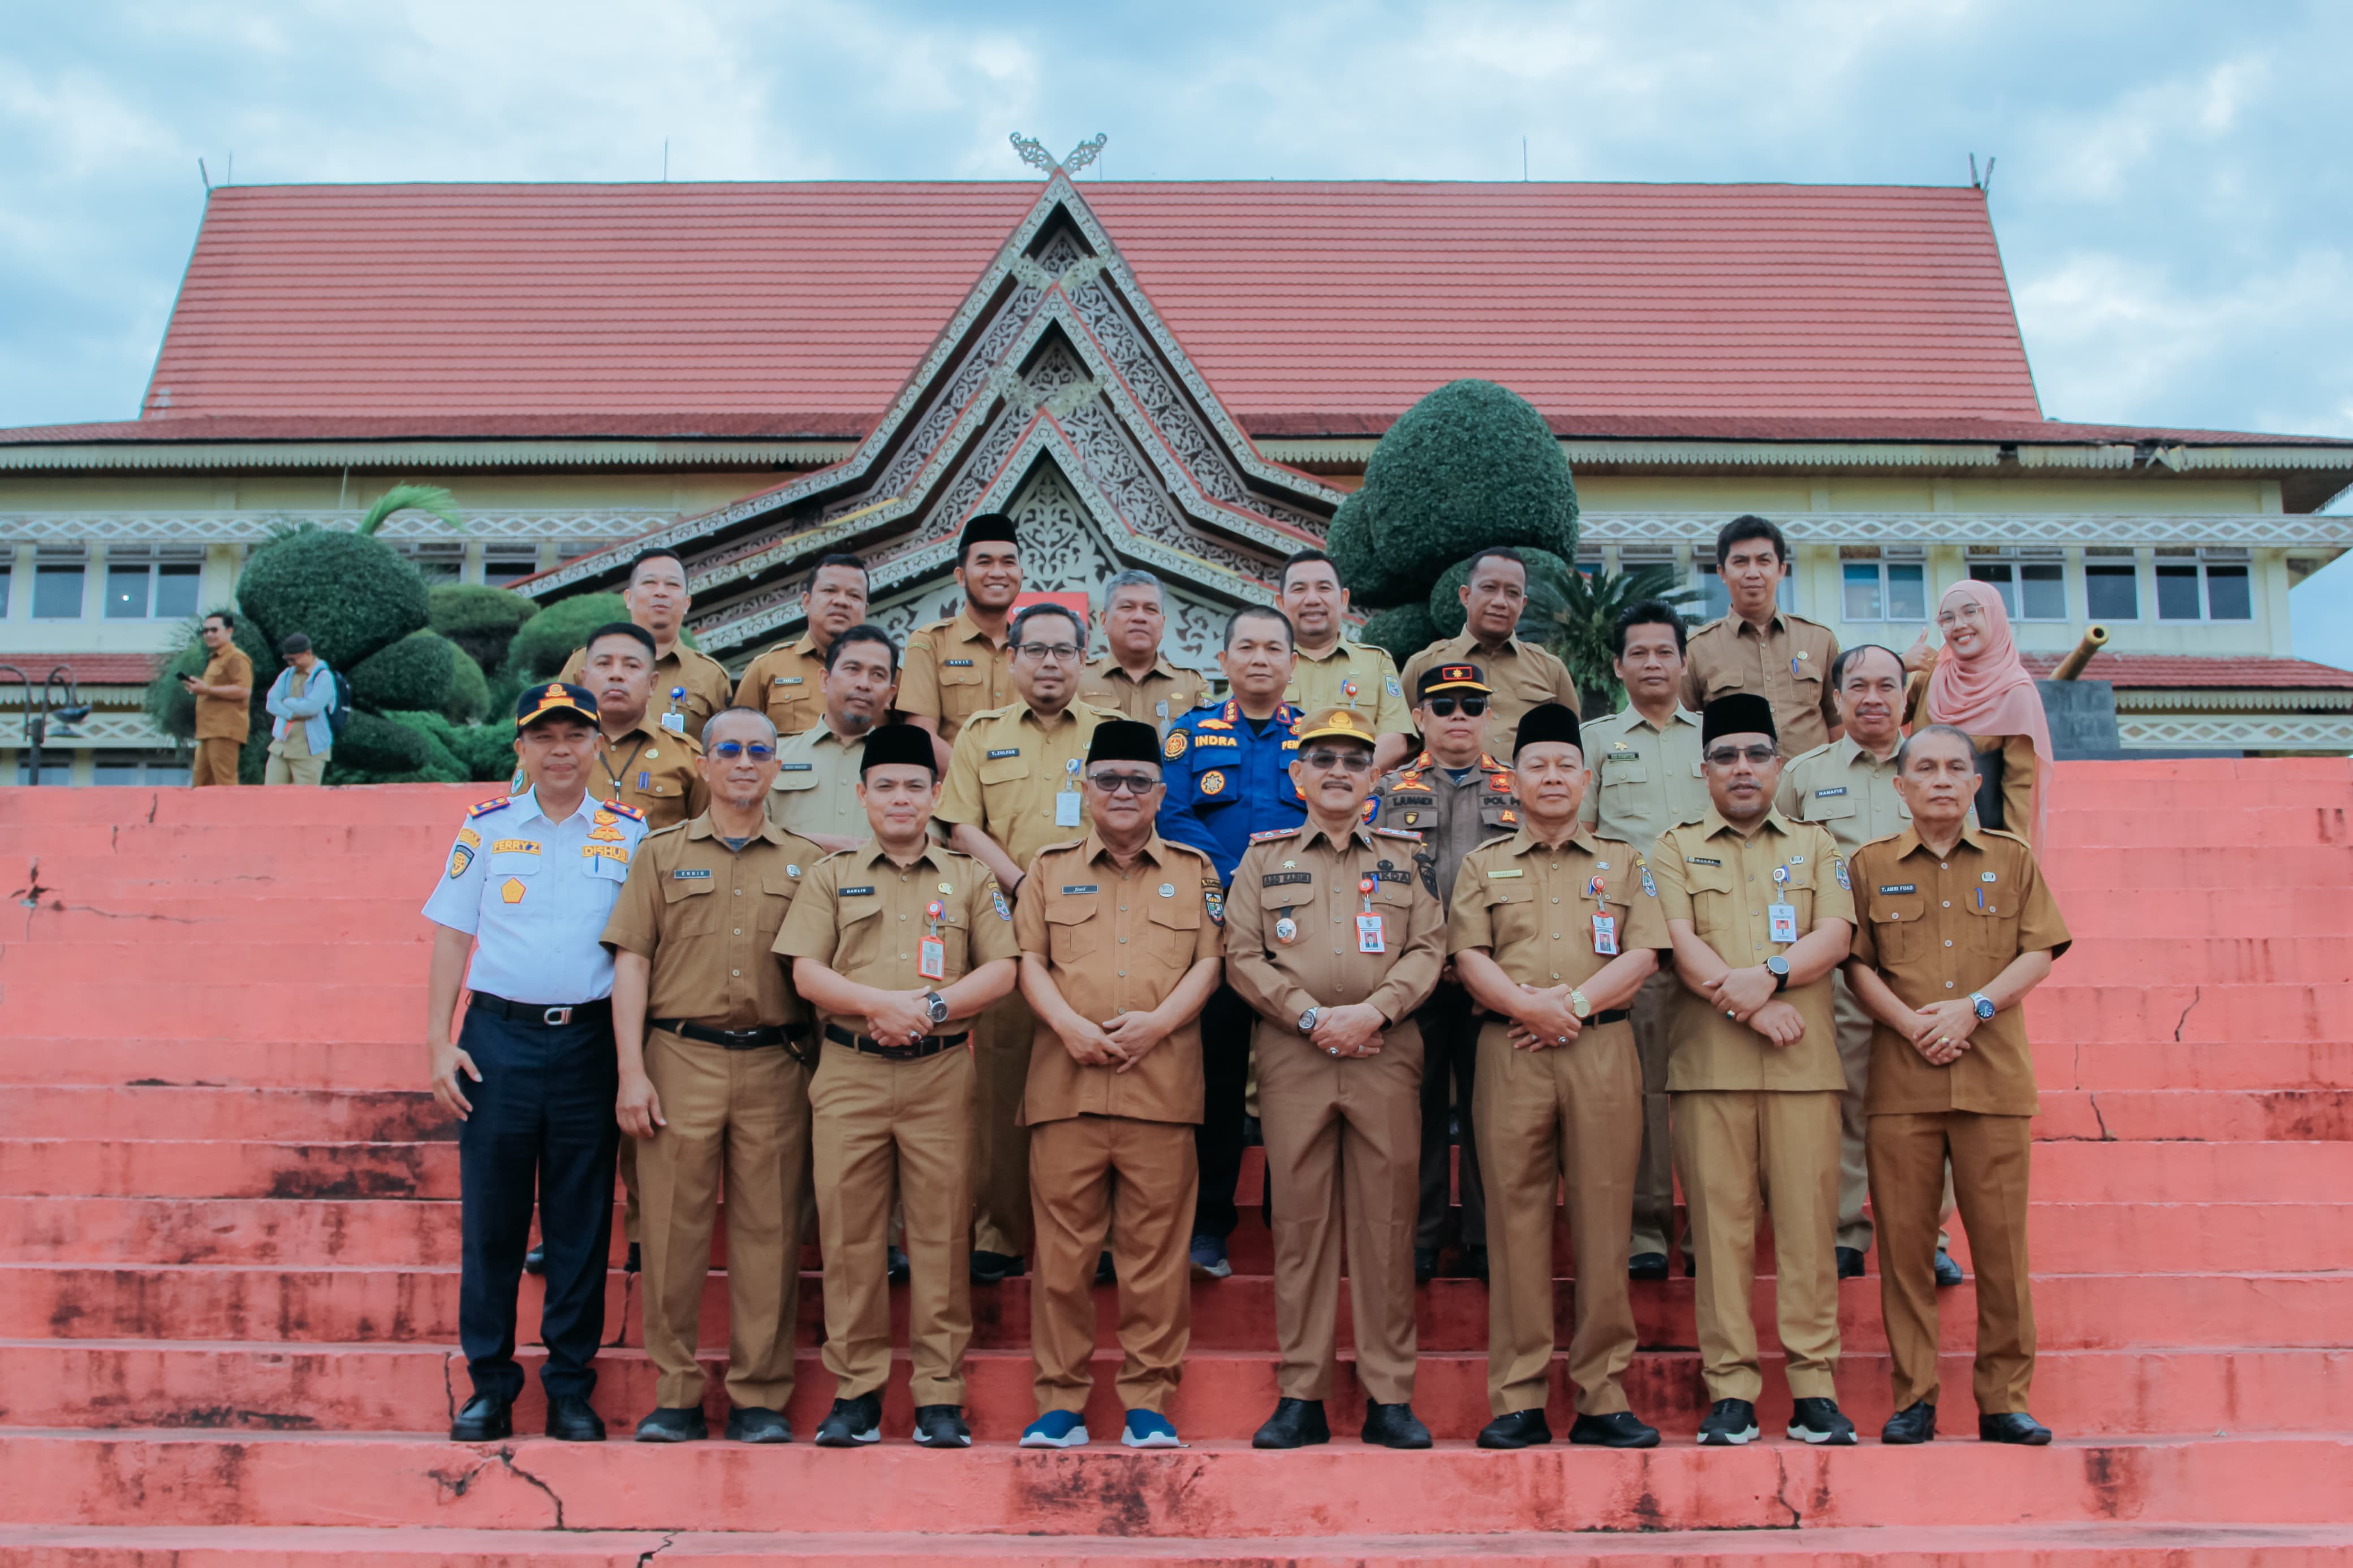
point(607, 763)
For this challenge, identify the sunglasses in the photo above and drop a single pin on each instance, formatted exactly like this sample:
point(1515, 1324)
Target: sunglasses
point(728, 751)
point(1444, 707)
point(1124, 783)
point(1327, 757)
point(1725, 756)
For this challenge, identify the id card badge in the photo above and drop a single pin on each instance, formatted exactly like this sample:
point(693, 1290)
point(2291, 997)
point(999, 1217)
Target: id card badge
point(931, 957)
point(1782, 922)
point(1368, 934)
point(674, 723)
point(1066, 808)
point(1605, 935)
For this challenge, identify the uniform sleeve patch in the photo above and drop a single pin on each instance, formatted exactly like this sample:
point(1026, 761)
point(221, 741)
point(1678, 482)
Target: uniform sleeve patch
point(1840, 867)
point(459, 858)
point(1173, 747)
point(468, 837)
point(996, 897)
point(1213, 904)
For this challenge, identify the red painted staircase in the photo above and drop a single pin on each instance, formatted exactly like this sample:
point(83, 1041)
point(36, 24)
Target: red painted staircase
point(228, 1261)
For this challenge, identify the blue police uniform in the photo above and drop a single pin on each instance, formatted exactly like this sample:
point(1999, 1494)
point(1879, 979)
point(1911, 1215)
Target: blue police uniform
point(535, 894)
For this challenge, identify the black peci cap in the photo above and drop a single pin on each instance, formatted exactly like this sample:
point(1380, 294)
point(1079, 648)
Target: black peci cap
point(1737, 714)
point(1547, 723)
point(1123, 741)
point(989, 527)
point(898, 746)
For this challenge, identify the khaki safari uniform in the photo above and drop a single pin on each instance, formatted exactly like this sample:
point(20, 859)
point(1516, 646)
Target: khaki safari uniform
point(1937, 930)
point(1566, 1115)
point(1646, 778)
point(1114, 941)
point(952, 671)
point(1789, 664)
point(1755, 1125)
point(816, 783)
point(787, 684)
point(1524, 675)
point(222, 725)
point(1454, 818)
point(1355, 675)
point(1166, 692)
point(1015, 777)
point(1336, 1125)
point(652, 770)
point(703, 680)
point(734, 1100)
point(884, 1116)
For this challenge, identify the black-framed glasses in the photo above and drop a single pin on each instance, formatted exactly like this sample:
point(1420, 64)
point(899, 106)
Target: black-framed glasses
point(1042, 651)
point(1444, 707)
point(1356, 761)
point(1725, 756)
point(728, 751)
point(1124, 783)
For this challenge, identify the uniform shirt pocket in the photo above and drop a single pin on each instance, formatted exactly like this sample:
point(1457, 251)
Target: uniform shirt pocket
point(1626, 769)
point(1991, 932)
point(687, 907)
point(1830, 806)
point(1072, 931)
point(513, 863)
point(1172, 927)
point(1715, 906)
point(1898, 928)
point(776, 891)
point(1512, 912)
point(603, 868)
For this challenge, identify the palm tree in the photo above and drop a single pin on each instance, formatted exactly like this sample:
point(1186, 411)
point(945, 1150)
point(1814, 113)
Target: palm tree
point(405, 498)
point(1573, 613)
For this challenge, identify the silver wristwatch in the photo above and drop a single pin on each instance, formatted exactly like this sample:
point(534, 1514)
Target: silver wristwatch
point(1308, 1020)
point(1983, 1004)
point(935, 1007)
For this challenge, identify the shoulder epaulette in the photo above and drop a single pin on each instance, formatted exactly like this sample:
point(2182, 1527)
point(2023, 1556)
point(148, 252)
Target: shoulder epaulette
point(2006, 833)
point(489, 806)
point(1186, 848)
point(1406, 833)
point(1214, 724)
point(1063, 844)
point(1271, 834)
point(617, 809)
point(978, 714)
point(659, 832)
point(1811, 752)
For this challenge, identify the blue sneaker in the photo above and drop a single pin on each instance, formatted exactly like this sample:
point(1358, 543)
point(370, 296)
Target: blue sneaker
point(1209, 1257)
point(1056, 1429)
point(1147, 1429)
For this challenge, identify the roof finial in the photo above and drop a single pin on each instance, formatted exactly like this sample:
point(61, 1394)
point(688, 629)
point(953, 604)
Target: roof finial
point(1033, 153)
point(1085, 152)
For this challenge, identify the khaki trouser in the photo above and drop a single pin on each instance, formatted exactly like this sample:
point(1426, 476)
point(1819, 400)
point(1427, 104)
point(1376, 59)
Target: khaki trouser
point(291, 761)
point(873, 1122)
point(1990, 1157)
point(1545, 1118)
point(745, 1114)
point(1743, 1151)
point(1343, 1149)
point(1072, 1166)
point(1854, 1056)
point(1654, 1178)
point(1001, 1038)
point(216, 764)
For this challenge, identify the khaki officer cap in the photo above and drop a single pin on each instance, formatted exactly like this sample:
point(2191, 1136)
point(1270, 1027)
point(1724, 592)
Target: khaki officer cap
point(1337, 724)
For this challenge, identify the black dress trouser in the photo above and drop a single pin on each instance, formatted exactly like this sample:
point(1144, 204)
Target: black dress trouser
point(1226, 1024)
point(541, 1130)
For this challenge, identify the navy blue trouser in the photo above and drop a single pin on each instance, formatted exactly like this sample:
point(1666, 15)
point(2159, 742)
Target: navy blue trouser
point(1226, 1024)
point(542, 1128)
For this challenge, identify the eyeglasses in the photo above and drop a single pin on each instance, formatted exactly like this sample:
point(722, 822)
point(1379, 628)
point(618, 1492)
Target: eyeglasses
point(1124, 783)
point(1061, 652)
point(1328, 757)
point(1725, 756)
point(728, 751)
point(1444, 707)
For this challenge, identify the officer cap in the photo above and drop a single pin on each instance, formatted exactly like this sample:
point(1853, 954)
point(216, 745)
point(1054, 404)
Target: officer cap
point(1450, 677)
point(1337, 725)
point(989, 527)
point(555, 699)
point(898, 746)
point(1737, 714)
point(1123, 741)
point(1547, 722)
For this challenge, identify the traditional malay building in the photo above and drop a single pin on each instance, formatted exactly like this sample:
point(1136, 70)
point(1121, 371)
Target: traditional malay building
point(1182, 376)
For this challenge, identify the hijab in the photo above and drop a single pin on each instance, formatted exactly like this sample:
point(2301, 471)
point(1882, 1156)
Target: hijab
point(1990, 692)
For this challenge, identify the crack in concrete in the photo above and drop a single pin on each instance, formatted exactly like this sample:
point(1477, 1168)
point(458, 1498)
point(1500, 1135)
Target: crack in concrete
point(507, 1458)
point(2105, 1136)
point(125, 915)
point(668, 1540)
point(2182, 1022)
point(1781, 1492)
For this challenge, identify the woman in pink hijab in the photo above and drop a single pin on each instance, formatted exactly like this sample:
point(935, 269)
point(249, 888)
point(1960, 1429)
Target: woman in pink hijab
point(1980, 685)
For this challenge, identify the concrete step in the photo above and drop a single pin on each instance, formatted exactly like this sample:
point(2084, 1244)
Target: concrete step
point(2198, 1115)
point(185, 1108)
point(1209, 1490)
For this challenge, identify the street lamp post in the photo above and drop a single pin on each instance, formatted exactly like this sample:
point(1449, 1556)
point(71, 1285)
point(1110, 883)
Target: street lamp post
point(59, 681)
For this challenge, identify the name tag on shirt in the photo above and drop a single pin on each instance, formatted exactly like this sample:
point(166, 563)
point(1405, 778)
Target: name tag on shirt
point(1083, 887)
point(1781, 921)
point(857, 892)
point(1605, 935)
point(1830, 794)
point(795, 767)
point(1004, 751)
point(691, 876)
point(932, 958)
point(790, 679)
point(1370, 938)
point(958, 663)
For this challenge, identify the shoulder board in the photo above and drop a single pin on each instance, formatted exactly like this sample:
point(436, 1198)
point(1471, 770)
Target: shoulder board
point(662, 832)
point(1183, 849)
point(1396, 833)
point(489, 806)
point(1059, 847)
point(692, 745)
point(980, 713)
point(631, 812)
point(1720, 620)
point(2005, 833)
point(1271, 834)
point(1215, 724)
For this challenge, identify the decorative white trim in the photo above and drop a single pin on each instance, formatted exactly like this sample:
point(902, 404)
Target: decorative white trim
point(2330, 735)
point(105, 731)
point(2221, 699)
point(487, 453)
point(252, 527)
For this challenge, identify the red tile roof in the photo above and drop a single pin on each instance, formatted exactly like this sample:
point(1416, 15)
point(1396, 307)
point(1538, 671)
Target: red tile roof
point(2144, 670)
point(88, 668)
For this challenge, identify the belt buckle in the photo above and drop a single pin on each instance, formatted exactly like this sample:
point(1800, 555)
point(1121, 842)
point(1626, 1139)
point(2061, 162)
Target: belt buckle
point(555, 1017)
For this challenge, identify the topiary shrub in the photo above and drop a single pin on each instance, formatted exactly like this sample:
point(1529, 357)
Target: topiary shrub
point(1349, 543)
point(480, 619)
point(172, 711)
point(469, 702)
point(480, 753)
point(540, 647)
point(1471, 465)
point(1403, 630)
point(413, 674)
point(351, 595)
point(375, 748)
point(1446, 605)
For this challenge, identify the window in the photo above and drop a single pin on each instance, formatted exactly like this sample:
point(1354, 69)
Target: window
point(502, 565)
point(2212, 587)
point(135, 768)
point(7, 575)
point(2111, 584)
point(57, 583)
point(1715, 600)
point(163, 583)
point(437, 560)
point(2030, 590)
point(56, 767)
point(1885, 591)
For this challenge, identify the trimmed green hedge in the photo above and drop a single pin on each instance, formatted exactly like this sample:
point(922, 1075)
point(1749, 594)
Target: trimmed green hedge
point(1403, 630)
point(351, 595)
point(412, 675)
point(1470, 465)
point(483, 753)
point(376, 748)
point(480, 619)
point(173, 711)
point(1348, 541)
point(1446, 605)
point(469, 702)
point(548, 638)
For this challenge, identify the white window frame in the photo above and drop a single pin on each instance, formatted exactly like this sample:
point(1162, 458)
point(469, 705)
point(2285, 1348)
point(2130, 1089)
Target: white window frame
point(2017, 561)
point(53, 558)
point(492, 555)
point(2205, 562)
point(151, 561)
point(440, 562)
point(1716, 599)
point(2127, 564)
point(1879, 562)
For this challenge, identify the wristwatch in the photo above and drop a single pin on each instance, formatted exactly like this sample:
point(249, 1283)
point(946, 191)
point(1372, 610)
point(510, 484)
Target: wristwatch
point(1780, 969)
point(935, 1007)
point(1983, 1004)
point(1308, 1020)
point(1579, 1006)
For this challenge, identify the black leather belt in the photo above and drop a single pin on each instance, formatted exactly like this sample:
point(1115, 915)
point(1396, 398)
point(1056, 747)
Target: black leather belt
point(753, 1039)
point(600, 1011)
point(1615, 1016)
point(929, 1046)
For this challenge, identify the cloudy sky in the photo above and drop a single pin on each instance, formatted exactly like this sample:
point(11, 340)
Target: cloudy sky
point(2173, 193)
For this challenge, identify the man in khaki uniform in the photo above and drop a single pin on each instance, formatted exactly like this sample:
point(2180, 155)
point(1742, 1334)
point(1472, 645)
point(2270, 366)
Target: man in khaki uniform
point(815, 793)
point(961, 666)
point(1120, 949)
point(897, 944)
point(1758, 909)
point(785, 682)
point(1760, 648)
point(1331, 671)
point(1132, 677)
point(1956, 926)
point(688, 686)
point(1334, 941)
point(1554, 930)
point(1012, 789)
point(224, 695)
point(711, 1041)
point(1521, 674)
point(1457, 797)
point(1645, 758)
point(637, 763)
point(1849, 787)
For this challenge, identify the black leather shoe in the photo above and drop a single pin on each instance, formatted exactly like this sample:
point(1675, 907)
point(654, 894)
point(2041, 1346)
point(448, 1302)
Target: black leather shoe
point(1106, 1272)
point(1520, 1429)
point(2017, 1426)
point(1915, 1423)
point(1821, 1422)
point(671, 1424)
point(1647, 1266)
point(634, 1262)
point(1294, 1424)
point(1850, 1262)
point(535, 1260)
point(942, 1427)
point(1425, 1265)
point(1618, 1429)
point(851, 1422)
point(995, 1268)
point(1728, 1424)
point(750, 1424)
point(570, 1420)
point(1475, 1262)
point(895, 1266)
point(483, 1420)
point(1394, 1426)
point(1948, 1273)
